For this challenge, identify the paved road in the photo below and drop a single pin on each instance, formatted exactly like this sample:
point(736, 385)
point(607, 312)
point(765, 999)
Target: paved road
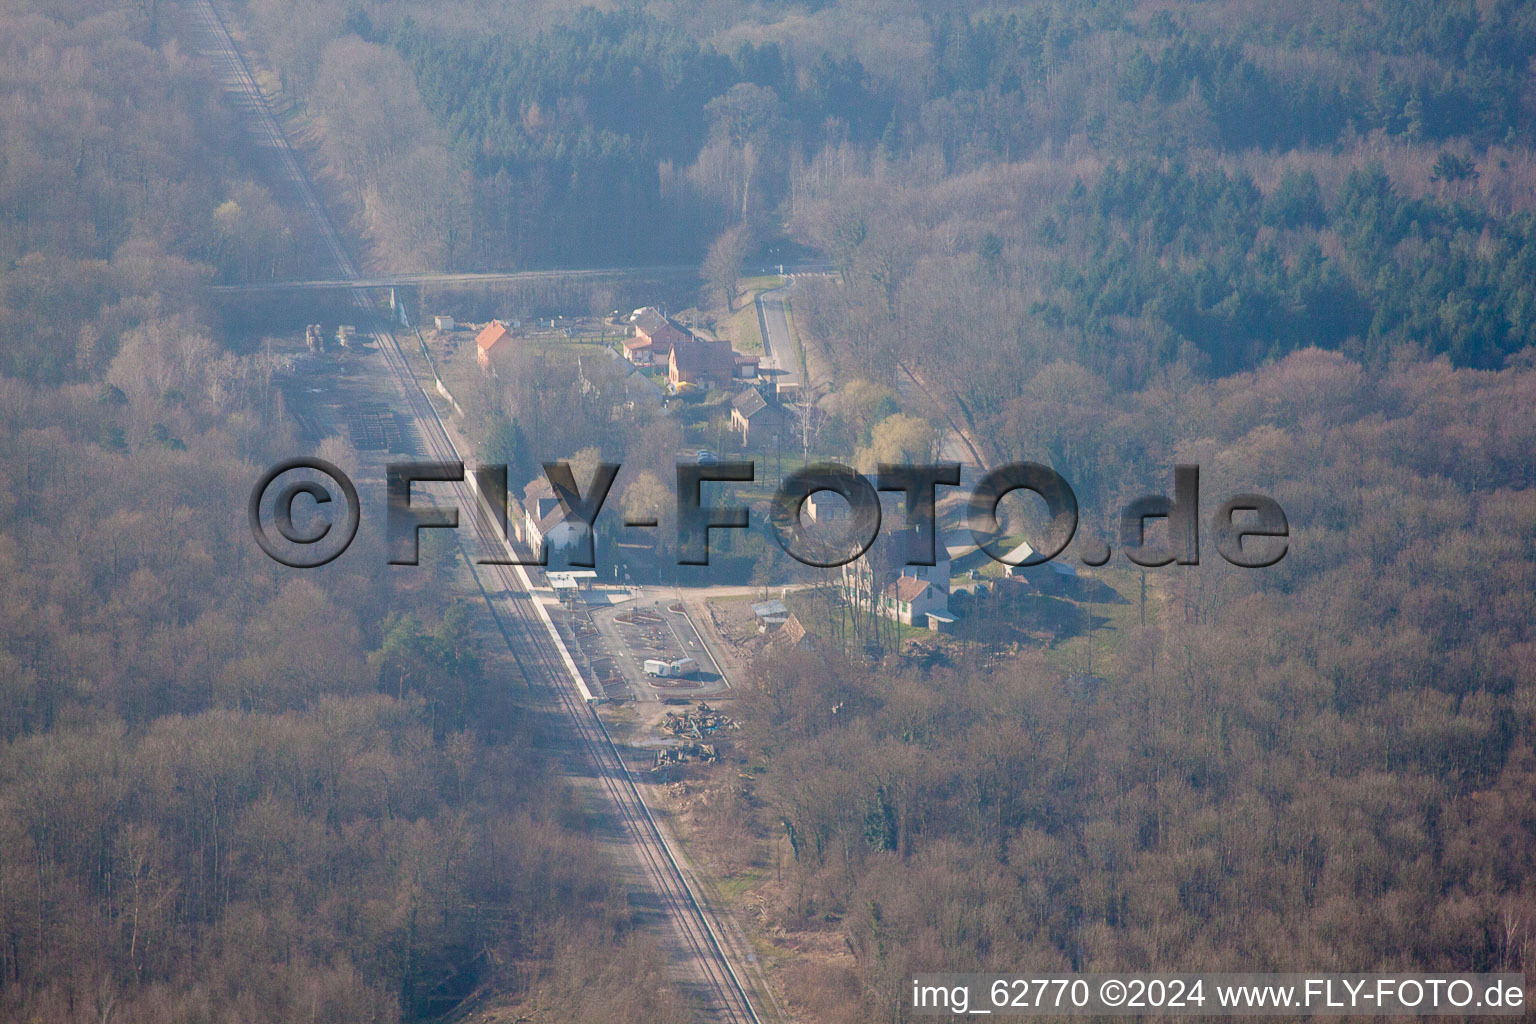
point(779, 352)
point(523, 622)
point(653, 624)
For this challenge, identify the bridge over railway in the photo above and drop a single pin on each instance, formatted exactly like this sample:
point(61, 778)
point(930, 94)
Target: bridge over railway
point(467, 278)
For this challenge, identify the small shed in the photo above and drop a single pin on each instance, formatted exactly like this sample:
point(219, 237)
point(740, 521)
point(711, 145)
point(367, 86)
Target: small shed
point(770, 614)
point(940, 622)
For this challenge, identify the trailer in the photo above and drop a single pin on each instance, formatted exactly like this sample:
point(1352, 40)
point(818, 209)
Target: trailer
point(678, 669)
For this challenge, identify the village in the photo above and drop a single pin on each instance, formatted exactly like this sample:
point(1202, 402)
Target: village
point(655, 389)
point(673, 377)
point(669, 390)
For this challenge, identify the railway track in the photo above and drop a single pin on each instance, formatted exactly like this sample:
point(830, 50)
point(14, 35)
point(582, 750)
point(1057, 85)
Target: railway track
point(525, 626)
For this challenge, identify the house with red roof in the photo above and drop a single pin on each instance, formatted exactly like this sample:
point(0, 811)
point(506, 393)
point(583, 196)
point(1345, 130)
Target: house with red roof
point(882, 581)
point(703, 364)
point(653, 338)
point(491, 335)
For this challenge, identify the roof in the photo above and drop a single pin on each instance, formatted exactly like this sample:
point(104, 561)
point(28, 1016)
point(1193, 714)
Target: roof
point(1018, 554)
point(1059, 568)
point(793, 630)
point(490, 334)
point(543, 506)
point(907, 588)
point(770, 609)
point(749, 403)
point(644, 386)
point(704, 359)
point(647, 319)
point(652, 328)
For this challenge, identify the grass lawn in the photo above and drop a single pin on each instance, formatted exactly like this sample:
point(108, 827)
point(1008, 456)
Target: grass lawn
point(794, 336)
point(1102, 646)
point(741, 328)
point(735, 887)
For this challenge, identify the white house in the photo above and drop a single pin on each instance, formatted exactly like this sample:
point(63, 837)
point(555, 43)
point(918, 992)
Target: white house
point(909, 599)
point(881, 581)
point(545, 520)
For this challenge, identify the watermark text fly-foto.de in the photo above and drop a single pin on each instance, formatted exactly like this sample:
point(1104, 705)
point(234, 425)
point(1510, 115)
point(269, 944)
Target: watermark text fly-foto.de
point(1251, 530)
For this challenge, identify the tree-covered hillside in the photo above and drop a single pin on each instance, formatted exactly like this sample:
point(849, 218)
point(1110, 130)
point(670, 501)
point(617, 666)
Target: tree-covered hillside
point(1349, 175)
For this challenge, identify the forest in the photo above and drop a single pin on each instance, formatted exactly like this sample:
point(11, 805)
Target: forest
point(1345, 175)
point(1326, 762)
point(1293, 243)
point(227, 793)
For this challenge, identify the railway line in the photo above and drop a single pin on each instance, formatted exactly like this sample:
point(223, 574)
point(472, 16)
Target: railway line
point(524, 624)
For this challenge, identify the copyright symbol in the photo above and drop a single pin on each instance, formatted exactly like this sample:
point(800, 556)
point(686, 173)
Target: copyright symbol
point(320, 539)
point(1112, 992)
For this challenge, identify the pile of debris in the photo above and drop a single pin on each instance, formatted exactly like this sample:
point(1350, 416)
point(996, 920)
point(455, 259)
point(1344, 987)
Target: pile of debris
point(698, 724)
point(703, 753)
point(314, 336)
